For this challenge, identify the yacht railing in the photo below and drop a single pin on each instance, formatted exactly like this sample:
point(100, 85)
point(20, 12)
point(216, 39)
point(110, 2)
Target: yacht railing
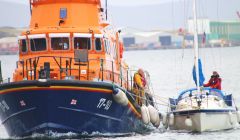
point(205, 90)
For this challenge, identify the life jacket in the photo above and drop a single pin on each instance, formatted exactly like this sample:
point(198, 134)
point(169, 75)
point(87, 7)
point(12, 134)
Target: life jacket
point(216, 83)
point(135, 85)
point(143, 81)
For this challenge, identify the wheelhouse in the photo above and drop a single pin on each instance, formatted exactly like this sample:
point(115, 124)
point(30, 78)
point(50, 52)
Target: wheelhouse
point(79, 56)
point(64, 42)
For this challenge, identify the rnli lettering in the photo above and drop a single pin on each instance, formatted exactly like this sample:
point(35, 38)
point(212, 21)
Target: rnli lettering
point(4, 106)
point(104, 104)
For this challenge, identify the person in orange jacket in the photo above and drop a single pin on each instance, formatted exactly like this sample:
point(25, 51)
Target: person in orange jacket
point(139, 85)
point(215, 81)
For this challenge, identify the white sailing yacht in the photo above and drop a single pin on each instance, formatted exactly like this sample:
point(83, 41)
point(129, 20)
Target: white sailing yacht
point(202, 109)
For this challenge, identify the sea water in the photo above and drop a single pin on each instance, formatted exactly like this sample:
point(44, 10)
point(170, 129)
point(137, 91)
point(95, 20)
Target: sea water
point(171, 72)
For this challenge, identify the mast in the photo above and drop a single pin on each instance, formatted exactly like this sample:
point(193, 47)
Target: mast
point(196, 47)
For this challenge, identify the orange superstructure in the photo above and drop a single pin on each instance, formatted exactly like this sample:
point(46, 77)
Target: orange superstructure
point(81, 15)
point(70, 76)
point(70, 39)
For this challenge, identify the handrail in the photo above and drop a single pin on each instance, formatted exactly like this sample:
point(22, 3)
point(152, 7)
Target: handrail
point(190, 91)
point(31, 68)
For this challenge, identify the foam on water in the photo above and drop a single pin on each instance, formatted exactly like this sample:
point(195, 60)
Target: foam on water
point(185, 135)
point(170, 72)
point(3, 133)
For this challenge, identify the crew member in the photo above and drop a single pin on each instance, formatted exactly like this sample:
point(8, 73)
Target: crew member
point(139, 85)
point(214, 82)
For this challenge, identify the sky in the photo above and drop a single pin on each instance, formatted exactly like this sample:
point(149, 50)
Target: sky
point(17, 1)
point(142, 14)
point(116, 2)
point(137, 2)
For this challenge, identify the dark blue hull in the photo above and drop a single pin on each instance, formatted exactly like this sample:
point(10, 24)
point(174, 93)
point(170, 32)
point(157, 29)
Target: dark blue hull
point(63, 107)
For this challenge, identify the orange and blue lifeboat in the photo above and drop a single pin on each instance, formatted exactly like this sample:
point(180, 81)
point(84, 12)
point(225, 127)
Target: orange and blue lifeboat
point(69, 69)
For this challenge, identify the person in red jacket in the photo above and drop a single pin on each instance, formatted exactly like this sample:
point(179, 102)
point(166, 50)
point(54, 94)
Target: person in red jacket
point(214, 82)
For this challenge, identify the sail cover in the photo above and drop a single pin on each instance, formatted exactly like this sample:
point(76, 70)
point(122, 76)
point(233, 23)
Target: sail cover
point(201, 76)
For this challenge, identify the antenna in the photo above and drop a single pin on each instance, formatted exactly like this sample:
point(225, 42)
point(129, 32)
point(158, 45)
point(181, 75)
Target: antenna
point(30, 4)
point(106, 10)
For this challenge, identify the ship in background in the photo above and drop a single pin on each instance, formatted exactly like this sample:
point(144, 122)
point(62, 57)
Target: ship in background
point(8, 46)
point(71, 76)
point(8, 40)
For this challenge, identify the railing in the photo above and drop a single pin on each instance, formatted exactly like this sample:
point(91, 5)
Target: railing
point(63, 68)
point(206, 90)
point(68, 68)
point(2, 80)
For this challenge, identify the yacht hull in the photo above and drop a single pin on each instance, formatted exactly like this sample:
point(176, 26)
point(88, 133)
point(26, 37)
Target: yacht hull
point(205, 120)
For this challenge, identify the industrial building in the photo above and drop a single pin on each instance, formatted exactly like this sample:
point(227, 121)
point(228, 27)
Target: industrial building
point(8, 45)
point(226, 33)
point(133, 39)
point(214, 33)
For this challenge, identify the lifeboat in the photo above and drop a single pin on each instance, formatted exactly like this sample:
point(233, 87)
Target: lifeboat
point(70, 76)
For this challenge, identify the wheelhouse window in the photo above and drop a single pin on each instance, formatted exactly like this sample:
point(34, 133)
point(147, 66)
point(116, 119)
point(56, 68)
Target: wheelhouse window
point(23, 45)
point(82, 43)
point(60, 43)
point(38, 44)
point(98, 44)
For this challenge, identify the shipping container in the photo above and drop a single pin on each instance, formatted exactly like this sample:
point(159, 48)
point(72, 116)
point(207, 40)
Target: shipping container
point(165, 40)
point(128, 41)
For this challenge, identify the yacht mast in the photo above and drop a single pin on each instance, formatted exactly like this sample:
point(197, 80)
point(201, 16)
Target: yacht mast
point(196, 47)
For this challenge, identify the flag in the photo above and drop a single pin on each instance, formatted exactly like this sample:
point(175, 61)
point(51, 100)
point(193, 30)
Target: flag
point(22, 103)
point(74, 102)
point(201, 76)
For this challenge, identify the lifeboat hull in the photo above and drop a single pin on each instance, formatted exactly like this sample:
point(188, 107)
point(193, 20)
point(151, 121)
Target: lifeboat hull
point(31, 107)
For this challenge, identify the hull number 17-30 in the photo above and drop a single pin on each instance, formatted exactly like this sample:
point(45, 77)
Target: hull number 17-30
point(104, 103)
